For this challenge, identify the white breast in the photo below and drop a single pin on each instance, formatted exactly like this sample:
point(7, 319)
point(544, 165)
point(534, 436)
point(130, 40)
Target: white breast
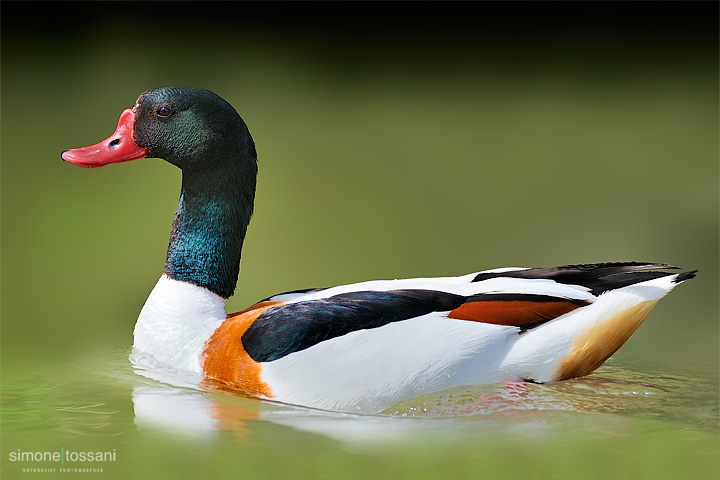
point(176, 321)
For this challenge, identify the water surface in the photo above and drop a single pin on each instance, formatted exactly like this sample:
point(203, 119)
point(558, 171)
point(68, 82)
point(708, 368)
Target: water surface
point(616, 421)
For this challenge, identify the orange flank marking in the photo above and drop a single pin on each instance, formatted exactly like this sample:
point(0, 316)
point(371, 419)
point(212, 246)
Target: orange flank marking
point(513, 312)
point(225, 360)
point(591, 349)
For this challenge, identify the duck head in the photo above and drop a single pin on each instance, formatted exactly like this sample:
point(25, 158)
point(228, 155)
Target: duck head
point(188, 127)
point(204, 136)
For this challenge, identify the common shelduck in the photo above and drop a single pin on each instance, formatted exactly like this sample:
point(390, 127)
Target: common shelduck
point(360, 347)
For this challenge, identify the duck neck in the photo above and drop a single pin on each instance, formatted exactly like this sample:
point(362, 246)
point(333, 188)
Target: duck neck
point(210, 225)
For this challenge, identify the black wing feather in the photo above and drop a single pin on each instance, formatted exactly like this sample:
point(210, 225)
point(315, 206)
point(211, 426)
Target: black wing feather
point(598, 277)
point(292, 327)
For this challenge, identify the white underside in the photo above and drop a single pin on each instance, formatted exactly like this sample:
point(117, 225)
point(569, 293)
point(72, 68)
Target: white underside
point(367, 371)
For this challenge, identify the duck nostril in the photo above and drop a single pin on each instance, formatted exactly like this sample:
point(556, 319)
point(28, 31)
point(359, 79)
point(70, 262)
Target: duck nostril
point(114, 143)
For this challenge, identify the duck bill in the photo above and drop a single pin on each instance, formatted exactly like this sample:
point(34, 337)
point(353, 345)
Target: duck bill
point(118, 147)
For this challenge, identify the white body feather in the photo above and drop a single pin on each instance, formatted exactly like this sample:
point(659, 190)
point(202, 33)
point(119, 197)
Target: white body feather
point(367, 371)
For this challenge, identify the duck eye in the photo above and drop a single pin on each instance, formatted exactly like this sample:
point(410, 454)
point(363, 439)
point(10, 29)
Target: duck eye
point(164, 111)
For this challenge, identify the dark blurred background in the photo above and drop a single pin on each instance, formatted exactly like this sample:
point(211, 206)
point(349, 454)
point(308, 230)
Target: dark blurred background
point(395, 140)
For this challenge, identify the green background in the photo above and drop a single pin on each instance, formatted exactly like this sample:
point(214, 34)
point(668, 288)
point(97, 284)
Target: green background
point(394, 141)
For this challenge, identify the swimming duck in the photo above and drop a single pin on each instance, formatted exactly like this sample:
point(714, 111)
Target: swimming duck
point(361, 347)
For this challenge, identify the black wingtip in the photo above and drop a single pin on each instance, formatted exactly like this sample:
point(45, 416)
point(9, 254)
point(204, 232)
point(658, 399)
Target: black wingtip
point(619, 266)
point(685, 276)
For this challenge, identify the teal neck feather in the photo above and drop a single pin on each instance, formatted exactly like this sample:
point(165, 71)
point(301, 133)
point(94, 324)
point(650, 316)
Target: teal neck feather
point(209, 229)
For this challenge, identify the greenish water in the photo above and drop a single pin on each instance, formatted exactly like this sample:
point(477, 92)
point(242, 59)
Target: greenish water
point(383, 153)
point(619, 422)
